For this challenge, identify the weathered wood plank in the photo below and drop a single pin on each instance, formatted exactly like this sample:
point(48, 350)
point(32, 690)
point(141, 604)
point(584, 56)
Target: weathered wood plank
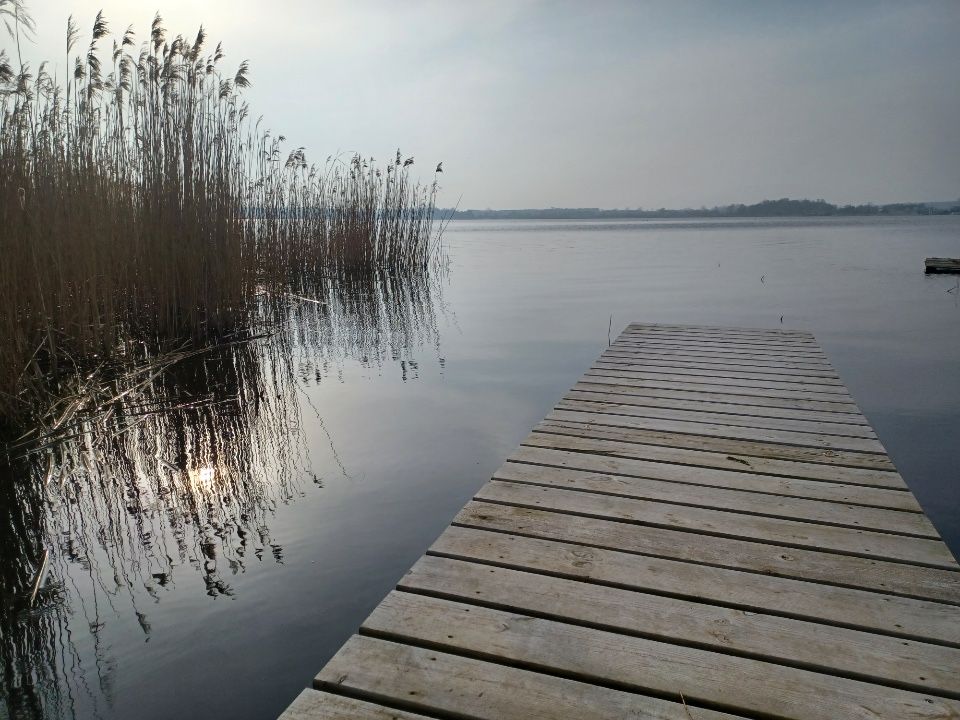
point(742, 449)
point(784, 349)
point(721, 498)
point(718, 430)
point(715, 353)
point(713, 379)
point(932, 622)
point(315, 705)
point(539, 450)
point(686, 361)
point(717, 346)
point(777, 360)
point(785, 641)
point(461, 687)
point(721, 334)
point(639, 393)
point(673, 403)
point(720, 418)
point(842, 402)
point(775, 331)
point(698, 372)
point(721, 523)
point(768, 340)
point(721, 329)
point(642, 665)
point(681, 359)
point(916, 581)
point(615, 357)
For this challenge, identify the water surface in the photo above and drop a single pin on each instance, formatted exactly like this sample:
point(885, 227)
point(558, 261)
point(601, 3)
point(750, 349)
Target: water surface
point(381, 432)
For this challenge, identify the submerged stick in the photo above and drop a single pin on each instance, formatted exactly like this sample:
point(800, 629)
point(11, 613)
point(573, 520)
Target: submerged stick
point(41, 572)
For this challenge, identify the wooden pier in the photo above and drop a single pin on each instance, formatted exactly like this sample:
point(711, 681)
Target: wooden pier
point(704, 527)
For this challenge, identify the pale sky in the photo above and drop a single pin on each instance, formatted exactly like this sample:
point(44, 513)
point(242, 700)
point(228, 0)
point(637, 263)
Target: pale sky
point(597, 104)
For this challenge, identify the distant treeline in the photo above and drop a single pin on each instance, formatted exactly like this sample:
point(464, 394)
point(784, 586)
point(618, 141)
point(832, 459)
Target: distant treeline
point(785, 207)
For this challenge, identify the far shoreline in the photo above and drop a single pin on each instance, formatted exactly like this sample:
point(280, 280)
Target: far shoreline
point(783, 208)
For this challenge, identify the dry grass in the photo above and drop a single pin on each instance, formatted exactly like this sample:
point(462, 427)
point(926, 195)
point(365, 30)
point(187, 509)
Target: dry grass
point(141, 206)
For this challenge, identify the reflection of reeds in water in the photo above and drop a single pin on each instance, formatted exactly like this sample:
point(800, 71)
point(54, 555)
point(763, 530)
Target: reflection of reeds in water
point(175, 475)
point(372, 318)
point(180, 478)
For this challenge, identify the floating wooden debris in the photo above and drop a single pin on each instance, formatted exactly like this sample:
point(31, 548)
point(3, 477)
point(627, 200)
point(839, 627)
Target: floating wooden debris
point(704, 527)
point(942, 265)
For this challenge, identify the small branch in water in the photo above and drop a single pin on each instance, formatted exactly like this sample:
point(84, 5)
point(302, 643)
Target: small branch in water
point(306, 299)
point(41, 573)
point(609, 328)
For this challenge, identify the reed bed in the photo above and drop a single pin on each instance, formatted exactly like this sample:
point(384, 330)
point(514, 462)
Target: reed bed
point(142, 206)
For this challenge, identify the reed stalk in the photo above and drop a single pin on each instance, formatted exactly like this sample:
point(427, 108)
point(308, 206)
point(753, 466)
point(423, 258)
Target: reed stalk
point(141, 204)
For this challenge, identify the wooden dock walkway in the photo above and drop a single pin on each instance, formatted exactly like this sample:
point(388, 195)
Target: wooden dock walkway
point(704, 527)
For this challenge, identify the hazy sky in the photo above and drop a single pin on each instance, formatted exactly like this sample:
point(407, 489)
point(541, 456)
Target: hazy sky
point(609, 104)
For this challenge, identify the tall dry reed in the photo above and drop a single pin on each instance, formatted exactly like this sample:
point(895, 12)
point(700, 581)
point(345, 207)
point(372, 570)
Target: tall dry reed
point(141, 204)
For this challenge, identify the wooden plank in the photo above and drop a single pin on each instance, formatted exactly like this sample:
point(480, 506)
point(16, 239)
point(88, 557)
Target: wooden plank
point(724, 336)
point(913, 581)
point(685, 360)
point(315, 705)
point(642, 665)
point(662, 383)
point(784, 641)
point(674, 403)
point(721, 523)
point(640, 393)
point(760, 377)
point(672, 364)
point(931, 622)
point(538, 450)
point(763, 331)
point(705, 378)
point(624, 350)
point(682, 359)
point(721, 329)
point(585, 439)
point(735, 338)
point(788, 347)
point(725, 498)
point(696, 344)
point(718, 350)
point(741, 419)
point(453, 686)
point(761, 435)
point(741, 449)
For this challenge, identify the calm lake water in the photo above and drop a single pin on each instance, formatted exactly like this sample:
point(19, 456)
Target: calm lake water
point(311, 510)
